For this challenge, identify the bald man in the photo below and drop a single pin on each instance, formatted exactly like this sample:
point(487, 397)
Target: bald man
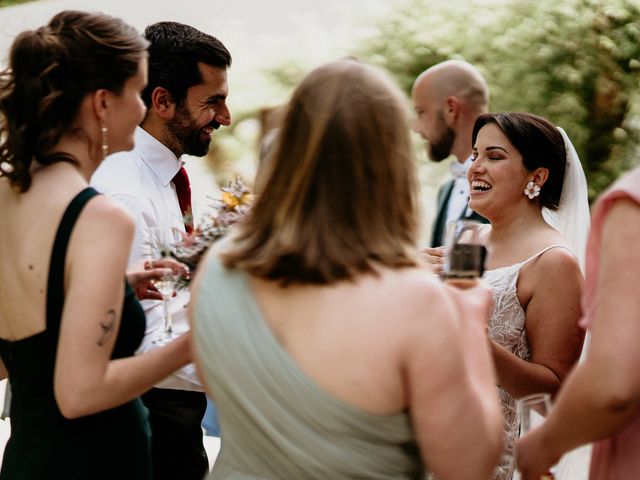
point(448, 98)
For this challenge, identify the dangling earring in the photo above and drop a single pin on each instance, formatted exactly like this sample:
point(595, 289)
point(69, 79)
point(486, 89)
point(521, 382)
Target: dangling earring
point(6, 168)
point(105, 141)
point(532, 190)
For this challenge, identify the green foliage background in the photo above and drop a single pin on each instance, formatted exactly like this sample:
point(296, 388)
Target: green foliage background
point(576, 62)
point(573, 61)
point(6, 3)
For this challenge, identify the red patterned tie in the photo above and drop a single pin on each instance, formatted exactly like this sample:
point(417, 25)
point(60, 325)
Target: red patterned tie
point(183, 190)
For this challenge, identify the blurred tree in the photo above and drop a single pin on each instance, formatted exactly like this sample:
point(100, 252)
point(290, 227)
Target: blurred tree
point(6, 3)
point(574, 61)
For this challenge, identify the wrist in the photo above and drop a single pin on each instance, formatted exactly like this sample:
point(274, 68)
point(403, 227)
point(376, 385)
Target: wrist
point(547, 445)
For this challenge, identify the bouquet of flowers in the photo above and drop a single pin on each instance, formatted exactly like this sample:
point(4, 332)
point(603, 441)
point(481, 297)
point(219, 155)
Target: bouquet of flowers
point(225, 212)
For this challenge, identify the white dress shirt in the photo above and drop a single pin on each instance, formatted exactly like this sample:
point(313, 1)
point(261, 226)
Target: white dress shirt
point(141, 181)
point(459, 198)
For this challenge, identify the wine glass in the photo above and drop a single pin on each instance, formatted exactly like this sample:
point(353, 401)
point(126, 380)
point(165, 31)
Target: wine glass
point(464, 250)
point(160, 245)
point(532, 411)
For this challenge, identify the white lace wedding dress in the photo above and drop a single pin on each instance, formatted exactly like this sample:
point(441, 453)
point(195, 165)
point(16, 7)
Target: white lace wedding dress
point(507, 328)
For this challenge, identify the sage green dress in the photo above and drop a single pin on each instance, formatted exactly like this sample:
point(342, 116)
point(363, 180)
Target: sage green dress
point(275, 422)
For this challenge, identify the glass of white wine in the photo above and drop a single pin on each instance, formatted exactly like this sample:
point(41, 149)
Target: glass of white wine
point(532, 411)
point(160, 244)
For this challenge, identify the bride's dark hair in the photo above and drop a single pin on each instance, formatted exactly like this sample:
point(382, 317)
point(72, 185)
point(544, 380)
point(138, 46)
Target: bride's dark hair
point(50, 71)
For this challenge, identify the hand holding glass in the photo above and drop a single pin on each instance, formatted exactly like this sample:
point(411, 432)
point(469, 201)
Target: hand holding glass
point(160, 244)
point(533, 409)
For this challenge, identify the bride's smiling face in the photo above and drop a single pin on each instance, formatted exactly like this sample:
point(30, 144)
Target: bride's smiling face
point(497, 177)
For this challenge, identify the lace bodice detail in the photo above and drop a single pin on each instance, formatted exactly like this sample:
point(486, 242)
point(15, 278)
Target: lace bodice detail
point(506, 322)
point(507, 328)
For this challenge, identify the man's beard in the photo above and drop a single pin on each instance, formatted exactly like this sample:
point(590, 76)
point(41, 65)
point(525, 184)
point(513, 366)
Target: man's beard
point(185, 134)
point(441, 149)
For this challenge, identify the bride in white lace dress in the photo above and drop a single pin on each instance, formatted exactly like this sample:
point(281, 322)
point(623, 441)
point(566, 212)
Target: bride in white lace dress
point(534, 273)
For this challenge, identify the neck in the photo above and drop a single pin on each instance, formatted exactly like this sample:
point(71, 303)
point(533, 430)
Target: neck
point(462, 156)
point(462, 147)
point(158, 130)
point(462, 144)
point(513, 224)
point(87, 160)
point(60, 173)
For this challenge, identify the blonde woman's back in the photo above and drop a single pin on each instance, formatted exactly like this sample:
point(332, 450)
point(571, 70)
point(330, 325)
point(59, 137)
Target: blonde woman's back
point(301, 382)
point(320, 381)
point(349, 336)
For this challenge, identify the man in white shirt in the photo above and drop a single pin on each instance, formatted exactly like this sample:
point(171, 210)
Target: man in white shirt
point(448, 98)
point(186, 102)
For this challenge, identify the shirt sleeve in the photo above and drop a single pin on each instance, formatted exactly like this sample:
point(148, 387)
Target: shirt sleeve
point(144, 222)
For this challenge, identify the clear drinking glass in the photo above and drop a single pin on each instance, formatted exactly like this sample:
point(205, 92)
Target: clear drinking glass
point(160, 244)
point(532, 411)
point(464, 250)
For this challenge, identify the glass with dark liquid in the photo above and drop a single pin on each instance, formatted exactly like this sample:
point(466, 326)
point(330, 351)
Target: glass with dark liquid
point(464, 250)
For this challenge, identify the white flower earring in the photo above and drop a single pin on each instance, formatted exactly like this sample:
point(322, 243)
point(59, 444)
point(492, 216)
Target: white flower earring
point(532, 190)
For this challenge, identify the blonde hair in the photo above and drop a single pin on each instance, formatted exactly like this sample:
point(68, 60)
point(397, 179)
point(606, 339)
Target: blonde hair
point(341, 193)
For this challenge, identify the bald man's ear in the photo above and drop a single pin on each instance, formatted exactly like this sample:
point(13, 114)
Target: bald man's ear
point(451, 110)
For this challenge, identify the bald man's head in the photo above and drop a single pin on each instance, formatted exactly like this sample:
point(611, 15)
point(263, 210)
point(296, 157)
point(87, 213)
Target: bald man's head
point(447, 98)
point(454, 78)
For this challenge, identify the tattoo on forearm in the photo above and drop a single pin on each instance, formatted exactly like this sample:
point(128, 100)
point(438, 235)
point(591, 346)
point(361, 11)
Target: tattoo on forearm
point(107, 327)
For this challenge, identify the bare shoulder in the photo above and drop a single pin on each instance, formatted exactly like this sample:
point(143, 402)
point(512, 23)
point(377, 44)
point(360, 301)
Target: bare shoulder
point(103, 209)
point(553, 274)
point(103, 220)
point(557, 262)
point(423, 302)
point(432, 319)
point(418, 285)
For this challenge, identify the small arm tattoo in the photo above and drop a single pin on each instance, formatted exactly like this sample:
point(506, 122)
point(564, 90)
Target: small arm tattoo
point(107, 327)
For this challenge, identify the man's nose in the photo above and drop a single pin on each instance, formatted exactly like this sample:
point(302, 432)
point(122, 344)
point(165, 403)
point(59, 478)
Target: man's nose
point(223, 116)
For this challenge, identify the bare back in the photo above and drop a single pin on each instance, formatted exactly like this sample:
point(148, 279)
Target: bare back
point(349, 337)
point(389, 348)
point(30, 221)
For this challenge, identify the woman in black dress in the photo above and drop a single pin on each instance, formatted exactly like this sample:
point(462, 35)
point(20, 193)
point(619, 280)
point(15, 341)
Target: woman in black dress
point(69, 323)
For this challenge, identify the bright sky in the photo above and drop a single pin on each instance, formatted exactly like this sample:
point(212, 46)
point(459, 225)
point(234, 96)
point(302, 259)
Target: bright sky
point(258, 33)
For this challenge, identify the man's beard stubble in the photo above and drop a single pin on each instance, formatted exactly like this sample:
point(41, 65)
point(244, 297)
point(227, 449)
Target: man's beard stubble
point(441, 149)
point(186, 136)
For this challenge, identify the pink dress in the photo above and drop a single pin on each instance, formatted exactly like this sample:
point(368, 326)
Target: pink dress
point(617, 457)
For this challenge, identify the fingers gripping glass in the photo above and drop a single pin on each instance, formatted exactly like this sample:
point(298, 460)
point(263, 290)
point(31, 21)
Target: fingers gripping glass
point(464, 250)
point(532, 411)
point(160, 243)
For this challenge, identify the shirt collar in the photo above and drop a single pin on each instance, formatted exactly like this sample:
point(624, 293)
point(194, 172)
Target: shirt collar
point(162, 162)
